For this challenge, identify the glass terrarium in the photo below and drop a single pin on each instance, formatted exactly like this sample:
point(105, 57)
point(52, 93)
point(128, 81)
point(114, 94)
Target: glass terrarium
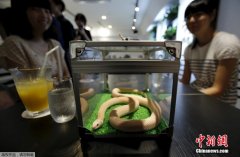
point(125, 88)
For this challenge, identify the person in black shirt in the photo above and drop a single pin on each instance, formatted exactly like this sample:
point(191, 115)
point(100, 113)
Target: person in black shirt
point(82, 33)
point(68, 30)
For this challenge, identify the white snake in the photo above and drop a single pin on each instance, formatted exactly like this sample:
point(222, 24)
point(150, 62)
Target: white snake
point(133, 102)
point(86, 94)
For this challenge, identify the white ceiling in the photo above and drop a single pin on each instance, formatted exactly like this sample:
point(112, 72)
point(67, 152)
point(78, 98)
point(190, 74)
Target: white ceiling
point(119, 14)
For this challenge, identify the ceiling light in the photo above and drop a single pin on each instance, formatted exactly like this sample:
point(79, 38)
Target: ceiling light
point(104, 32)
point(137, 9)
point(110, 26)
point(133, 27)
point(134, 20)
point(104, 17)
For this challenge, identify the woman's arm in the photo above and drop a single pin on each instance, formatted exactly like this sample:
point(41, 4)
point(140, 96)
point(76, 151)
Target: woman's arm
point(222, 77)
point(186, 73)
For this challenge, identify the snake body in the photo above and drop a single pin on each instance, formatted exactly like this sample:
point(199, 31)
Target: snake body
point(84, 105)
point(133, 102)
point(101, 112)
point(86, 94)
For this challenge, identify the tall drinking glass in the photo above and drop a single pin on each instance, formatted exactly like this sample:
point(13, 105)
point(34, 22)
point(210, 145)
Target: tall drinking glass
point(33, 90)
point(61, 100)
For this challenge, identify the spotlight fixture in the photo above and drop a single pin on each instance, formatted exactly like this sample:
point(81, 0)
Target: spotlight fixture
point(136, 9)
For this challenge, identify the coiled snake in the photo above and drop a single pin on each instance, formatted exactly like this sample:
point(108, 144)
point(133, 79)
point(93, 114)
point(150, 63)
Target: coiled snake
point(133, 102)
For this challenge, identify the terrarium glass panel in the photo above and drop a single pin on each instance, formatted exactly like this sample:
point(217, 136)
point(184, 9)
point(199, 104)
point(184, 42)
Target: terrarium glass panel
point(155, 86)
point(125, 87)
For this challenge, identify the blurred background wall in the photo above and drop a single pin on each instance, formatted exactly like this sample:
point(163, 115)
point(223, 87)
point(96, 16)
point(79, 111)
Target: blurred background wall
point(228, 16)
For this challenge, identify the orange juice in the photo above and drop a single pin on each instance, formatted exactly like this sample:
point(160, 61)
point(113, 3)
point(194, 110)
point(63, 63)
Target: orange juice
point(34, 94)
point(49, 85)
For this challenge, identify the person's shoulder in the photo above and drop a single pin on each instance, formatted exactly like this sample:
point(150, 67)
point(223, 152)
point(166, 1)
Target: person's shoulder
point(13, 40)
point(223, 40)
point(226, 34)
point(87, 30)
point(227, 45)
point(66, 21)
point(226, 38)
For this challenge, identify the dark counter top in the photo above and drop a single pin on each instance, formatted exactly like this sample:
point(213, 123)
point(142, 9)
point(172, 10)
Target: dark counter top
point(195, 114)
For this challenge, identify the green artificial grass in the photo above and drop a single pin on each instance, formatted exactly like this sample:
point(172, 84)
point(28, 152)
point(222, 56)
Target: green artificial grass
point(163, 96)
point(95, 103)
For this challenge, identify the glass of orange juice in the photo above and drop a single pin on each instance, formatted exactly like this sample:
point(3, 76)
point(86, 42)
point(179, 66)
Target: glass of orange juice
point(33, 90)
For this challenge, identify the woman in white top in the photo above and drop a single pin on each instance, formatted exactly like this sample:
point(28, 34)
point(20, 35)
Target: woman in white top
point(33, 38)
point(213, 56)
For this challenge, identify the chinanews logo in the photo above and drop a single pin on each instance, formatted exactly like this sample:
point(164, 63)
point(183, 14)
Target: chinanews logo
point(212, 144)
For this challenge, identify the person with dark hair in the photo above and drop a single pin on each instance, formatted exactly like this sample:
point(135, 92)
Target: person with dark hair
point(67, 28)
point(68, 31)
point(82, 33)
point(213, 55)
point(32, 38)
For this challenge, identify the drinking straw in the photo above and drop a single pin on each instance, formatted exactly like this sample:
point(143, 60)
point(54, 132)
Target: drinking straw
point(59, 63)
point(45, 62)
